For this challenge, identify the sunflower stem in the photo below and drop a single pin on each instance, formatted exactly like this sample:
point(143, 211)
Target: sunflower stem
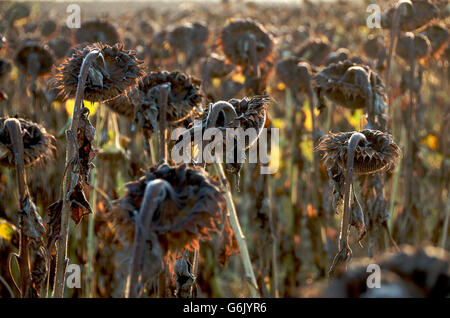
point(15, 133)
point(345, 252)
point(90, 278)
point(164, 91)
point(154, 191)
point(240, 238)
point(71, 153)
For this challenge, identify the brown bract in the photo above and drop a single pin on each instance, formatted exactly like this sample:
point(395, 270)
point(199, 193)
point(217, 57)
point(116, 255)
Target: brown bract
point(191, 212)
point(33, 59)
point(122, 72)
point(414, 14)
point(350, 85)
point(378, 153)
point(234, 41)
point(93, 31)
point(141, 102)
point(38, 144)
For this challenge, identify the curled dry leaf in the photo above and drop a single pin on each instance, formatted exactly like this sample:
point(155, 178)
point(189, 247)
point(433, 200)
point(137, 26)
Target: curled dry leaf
point(141, 102)
point(184, 278)
point(38, 144)
point(85, 140)
point(190, 213)
point(377, 153)
point(79, 207)
point(93, 31)
point(105, 81)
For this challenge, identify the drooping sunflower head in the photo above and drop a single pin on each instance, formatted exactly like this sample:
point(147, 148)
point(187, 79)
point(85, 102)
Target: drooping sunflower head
point(416, 45)
point(350, 85)
point(104, 81)
point(315, 51)
point(38, 144)
point(93, 31)
point(191, 212)
point(377, 153)
point(33, 59)
point(184, 37)
point(141, 103)
point(413, 14)
point(16, 12)
point(439, 38)
point(235, 43)
point(294, 73)
point(215, 66)
point(374, 46)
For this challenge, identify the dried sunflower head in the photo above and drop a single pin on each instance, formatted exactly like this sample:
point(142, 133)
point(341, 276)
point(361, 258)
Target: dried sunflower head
point(48, 28)
point(215, 66)
point(141, 102)
point(439, 38)
point(412, 272)
point(414, 14)
point(191, 213)
point(339, 55)
point(33, 59)
point(315, 51)
point(294, 73)
point(378, 152)
point(93, 31)
point(247, 113)
point(60, 46)
point(235, 38)
point(187, 36)
point(122, 72)
point(374, 46)
point(38, 144)
point(351, 85)
point(16, 12)
point(418, 44)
